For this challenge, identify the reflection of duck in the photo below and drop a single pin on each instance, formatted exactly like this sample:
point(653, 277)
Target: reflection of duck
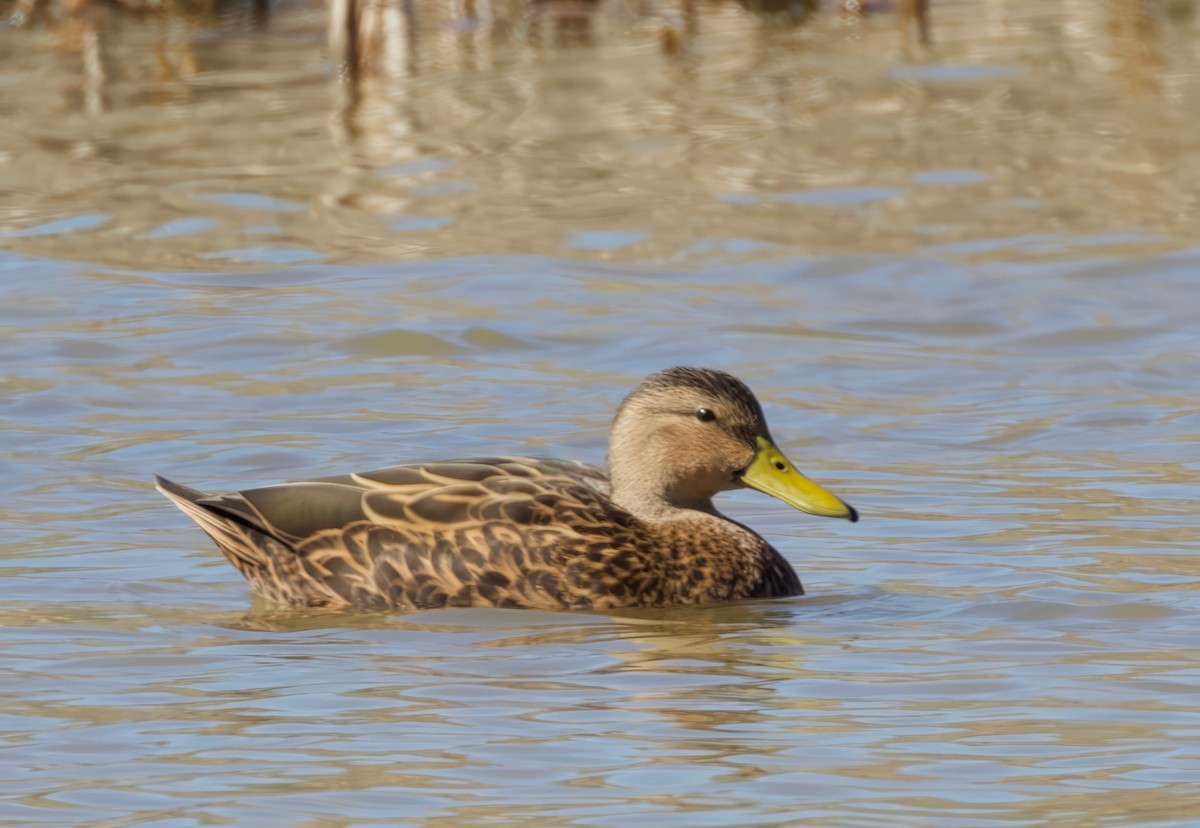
point(518, 532)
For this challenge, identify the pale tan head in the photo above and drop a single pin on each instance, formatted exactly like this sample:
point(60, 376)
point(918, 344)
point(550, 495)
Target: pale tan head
point(686, 434)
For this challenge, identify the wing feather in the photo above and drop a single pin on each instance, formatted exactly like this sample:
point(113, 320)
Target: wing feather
point(506, 531)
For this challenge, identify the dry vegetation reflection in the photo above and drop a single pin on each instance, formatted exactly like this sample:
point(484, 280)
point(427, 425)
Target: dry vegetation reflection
point(176, 135)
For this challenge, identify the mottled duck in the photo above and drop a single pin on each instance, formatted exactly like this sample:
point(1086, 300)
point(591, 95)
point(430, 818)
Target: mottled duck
point(523, 532)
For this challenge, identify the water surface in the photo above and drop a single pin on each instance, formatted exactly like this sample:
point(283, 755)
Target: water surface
point(962, 279)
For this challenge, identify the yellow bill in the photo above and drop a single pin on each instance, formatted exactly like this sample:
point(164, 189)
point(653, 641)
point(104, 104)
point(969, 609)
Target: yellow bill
point(772, 473)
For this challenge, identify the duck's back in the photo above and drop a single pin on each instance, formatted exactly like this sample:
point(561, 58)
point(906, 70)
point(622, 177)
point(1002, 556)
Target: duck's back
point(513, 532)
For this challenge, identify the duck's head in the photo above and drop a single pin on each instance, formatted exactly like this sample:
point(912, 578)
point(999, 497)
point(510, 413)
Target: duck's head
point(686, 434)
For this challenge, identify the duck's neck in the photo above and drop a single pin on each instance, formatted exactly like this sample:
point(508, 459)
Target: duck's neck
point(657, 508)
point(639, 488)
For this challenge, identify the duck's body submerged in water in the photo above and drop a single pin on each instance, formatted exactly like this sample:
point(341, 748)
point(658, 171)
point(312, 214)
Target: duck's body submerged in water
point(520, 532)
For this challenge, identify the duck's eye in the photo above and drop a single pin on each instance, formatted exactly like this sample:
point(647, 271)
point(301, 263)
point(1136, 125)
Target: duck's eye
point(705, 415)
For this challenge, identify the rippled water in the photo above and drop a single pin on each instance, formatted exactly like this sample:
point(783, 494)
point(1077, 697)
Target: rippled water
point(963, 280)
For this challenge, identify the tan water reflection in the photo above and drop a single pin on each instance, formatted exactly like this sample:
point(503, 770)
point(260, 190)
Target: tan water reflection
point(1024, 130)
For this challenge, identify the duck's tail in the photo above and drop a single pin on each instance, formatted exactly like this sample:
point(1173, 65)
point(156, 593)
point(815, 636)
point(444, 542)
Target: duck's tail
point(242, 540)
point(267, 556)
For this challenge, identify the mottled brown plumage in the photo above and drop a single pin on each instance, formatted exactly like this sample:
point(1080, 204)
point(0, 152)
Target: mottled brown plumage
point(521, 532)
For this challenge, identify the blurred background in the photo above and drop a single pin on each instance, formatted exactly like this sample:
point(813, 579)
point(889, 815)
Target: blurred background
point(951, 244)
